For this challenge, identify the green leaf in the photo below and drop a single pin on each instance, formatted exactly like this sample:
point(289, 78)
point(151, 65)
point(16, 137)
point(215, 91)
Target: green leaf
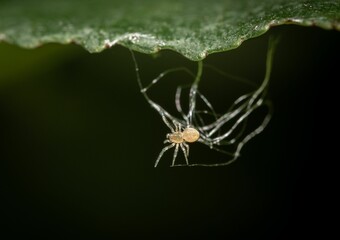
point(192, 28)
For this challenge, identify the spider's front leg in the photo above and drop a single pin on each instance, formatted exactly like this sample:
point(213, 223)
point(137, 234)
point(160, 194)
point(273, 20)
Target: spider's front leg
point(162, 152)
point(167, 122)
point(175, 155)
point(178, 126)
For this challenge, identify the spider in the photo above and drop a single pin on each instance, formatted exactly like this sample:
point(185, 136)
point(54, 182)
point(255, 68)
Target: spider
point(178, 138)
point(210, 134)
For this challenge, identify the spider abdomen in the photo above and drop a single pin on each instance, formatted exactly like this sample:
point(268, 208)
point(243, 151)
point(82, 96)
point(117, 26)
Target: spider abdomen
point(190, 135)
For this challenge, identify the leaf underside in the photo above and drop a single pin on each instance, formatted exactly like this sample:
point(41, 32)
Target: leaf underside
point(192, 28)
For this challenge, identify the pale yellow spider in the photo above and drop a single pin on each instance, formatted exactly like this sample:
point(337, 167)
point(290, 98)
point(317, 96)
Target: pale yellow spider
point(178, 138)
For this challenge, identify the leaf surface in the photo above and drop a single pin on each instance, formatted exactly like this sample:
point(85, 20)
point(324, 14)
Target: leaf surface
point(192, 28)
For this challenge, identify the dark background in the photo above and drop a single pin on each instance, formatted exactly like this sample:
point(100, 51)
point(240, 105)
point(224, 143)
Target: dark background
point(78, 144)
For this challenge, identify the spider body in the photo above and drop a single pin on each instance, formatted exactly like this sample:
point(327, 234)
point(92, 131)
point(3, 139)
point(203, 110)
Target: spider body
point(189, 135)
point(178, 138)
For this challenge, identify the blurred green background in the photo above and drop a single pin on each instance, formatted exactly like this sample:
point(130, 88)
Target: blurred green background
point(78, 143)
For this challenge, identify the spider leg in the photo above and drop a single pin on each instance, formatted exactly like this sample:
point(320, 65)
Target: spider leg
point(234, 156)
point(187, 146)
point(250, 135)
point(166, 72)
point(178, 104)
point(202, 97)
point(180, 110)
point(175, 155)
point(159, 77)
point(244, 118)
point(193, 92)
point(249, 101)
point(167, 123)
point(162, 152)
point(257, 97)
point(164, 114)
point(209, 105)
point(178, 125)
point(185, 153)
point(229, 76)
point(225, 118)
point(212, 111)
point(240, 145)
